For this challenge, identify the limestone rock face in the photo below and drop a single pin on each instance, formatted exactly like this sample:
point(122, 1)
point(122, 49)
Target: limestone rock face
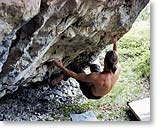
point(34, 31)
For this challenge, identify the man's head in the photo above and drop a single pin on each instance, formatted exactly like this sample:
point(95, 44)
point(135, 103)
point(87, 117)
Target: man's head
point(111, 60)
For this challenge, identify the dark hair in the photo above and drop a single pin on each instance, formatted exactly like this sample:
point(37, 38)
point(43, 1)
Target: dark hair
point(94, 68)
point(111, 60)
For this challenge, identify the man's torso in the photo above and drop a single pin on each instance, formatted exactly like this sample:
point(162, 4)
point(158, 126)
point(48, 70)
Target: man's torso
point(103, 83)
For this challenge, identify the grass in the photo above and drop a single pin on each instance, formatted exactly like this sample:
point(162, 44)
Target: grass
point(134, 52)
point(134, 58)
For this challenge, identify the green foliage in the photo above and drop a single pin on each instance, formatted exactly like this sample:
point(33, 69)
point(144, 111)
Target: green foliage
point(144, 65)
point(134, 57)
point(135, 48)
point(74, 108)
point(145, 14)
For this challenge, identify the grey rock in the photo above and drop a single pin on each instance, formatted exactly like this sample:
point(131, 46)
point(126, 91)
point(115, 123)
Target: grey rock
point(58, 92)
point(51, 96)
point(45, 88)
point(63, 99)
point(34, 31)
point(36, 104)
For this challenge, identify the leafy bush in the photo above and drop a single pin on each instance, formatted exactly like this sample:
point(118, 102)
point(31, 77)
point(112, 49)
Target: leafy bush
point(145, 14)
point(144, 65)
point(134, 57)
point(134, 48)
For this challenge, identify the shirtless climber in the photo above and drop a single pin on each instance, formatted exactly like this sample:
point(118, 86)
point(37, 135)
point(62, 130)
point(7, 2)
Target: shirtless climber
point(96, 84)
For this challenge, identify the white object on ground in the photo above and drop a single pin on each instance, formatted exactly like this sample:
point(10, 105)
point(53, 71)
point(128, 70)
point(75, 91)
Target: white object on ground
point(87, 116)
point(141, 109)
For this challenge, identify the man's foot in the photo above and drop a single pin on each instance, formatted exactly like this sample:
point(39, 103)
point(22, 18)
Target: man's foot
point(57, 80)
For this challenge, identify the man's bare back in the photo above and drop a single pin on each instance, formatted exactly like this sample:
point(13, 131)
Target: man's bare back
point(104, 82)
point(100, 83)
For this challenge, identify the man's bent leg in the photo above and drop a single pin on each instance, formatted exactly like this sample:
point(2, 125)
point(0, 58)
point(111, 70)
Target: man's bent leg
point(57, 80)
point(73, 67)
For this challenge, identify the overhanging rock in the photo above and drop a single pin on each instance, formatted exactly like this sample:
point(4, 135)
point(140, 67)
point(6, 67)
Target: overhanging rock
point(33, 31)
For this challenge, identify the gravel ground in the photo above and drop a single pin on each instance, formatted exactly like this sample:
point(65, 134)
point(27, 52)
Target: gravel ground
point(43, 103)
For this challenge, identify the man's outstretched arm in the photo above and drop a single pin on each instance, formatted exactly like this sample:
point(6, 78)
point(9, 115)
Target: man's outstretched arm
point(80, 76)
point(114, 40)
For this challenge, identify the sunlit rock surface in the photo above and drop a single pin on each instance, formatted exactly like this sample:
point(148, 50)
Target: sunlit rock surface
point(34, 31)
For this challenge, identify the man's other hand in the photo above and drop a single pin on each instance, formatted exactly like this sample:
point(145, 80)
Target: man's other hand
point(114, 39)
point(58, 63)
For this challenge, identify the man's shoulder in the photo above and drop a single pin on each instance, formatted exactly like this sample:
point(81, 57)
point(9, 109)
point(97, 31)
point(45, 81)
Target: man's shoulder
point(97, 76)
point(93, 74)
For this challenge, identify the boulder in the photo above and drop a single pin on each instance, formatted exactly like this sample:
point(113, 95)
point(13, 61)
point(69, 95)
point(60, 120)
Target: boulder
point(34, 31)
